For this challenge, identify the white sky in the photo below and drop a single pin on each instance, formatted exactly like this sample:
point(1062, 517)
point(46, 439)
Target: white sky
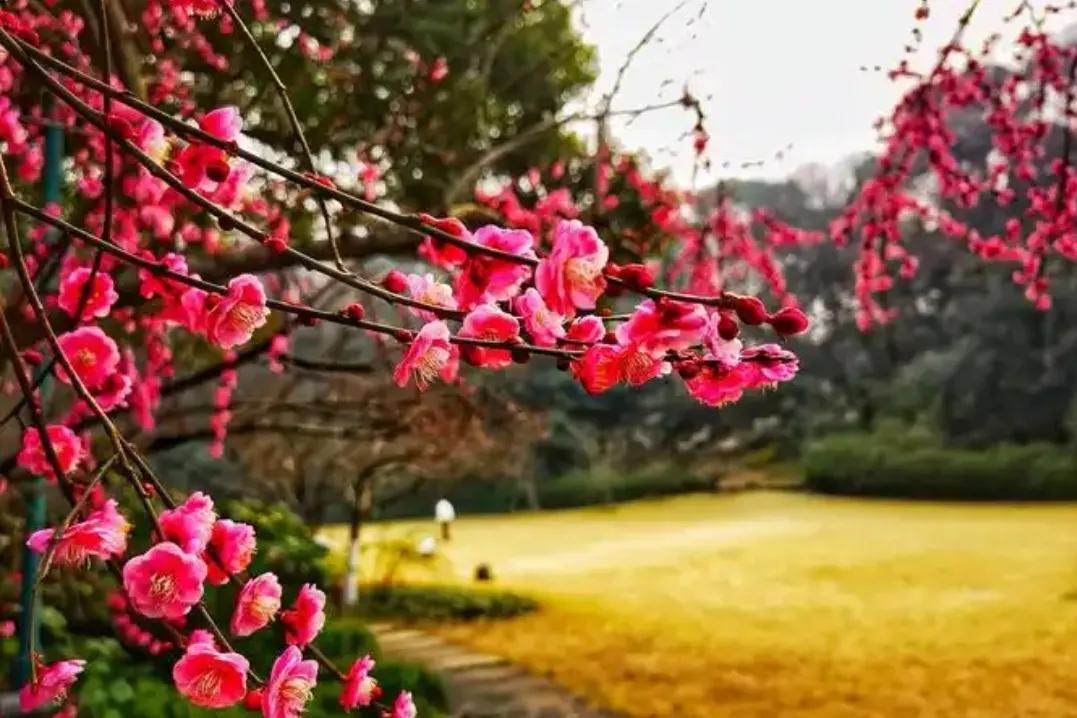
point(774, 72)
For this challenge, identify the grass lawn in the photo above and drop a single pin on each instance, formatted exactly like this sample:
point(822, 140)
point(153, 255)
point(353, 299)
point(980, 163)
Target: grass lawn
point(787, 605)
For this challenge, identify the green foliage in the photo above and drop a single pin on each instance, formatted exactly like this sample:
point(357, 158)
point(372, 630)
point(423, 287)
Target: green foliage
point(586, 488)
point(442, 603)
point(911, 467)
point(508, 70)
point(345, 638)
point(286, 545)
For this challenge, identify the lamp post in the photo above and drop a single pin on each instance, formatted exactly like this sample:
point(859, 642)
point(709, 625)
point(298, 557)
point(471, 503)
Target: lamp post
point(35, 496)
point(444, 514)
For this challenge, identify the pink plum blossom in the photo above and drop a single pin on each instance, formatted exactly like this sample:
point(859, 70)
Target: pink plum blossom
point(570, 277)
point(190, 525)
point(439, 252)
point(543, 324)
point(304, 620)
point(770, 364)
point(99, 300)
point(224, 123)
point(586, 330)
point(429, 356)
point(93, 355)
point(488, 279)
point(404, 706)
point(164, 582)
point(290, 686)
point(257, 604)
point(231, 548)
point(717, 385)
point(424, 288)
point(232, 320)
point(209, 678)
point(50, 688)
point(661, 325)
point(489, 323)
point(360, 688)
point(102, 535)
point(603, 366)
point(66, 444)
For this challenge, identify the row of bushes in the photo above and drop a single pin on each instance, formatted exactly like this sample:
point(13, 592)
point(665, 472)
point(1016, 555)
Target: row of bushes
point(442, 603)
point(570, 490)
point(873, 465)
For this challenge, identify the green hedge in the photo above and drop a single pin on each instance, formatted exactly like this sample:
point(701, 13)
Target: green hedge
point(442, 603)
point(871, 465)
point(591, 488)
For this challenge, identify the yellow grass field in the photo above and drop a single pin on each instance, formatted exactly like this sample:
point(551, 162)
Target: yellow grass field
point(773, 604)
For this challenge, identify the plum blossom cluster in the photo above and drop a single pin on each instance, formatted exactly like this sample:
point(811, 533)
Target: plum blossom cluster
point(517, 302)
point(1029, 169)
point(192, 551)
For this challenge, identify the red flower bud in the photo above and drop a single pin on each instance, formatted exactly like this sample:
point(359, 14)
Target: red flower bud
point(751, 310)
point(218, 170)
point(121, 126)
point(253, 700)
point(449, 225)
point(355, 311)
point(32, 356)
point(395, 282)
point(637, 276)
point(689, 369)
point(277, 245)
point(320, 179)
point(520, 355)
point(728, 328)
point(788, 321)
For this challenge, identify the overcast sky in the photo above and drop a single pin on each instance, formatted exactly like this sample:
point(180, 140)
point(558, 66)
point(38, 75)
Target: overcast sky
point(775, 72)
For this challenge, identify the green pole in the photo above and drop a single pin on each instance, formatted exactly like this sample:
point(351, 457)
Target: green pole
point(52, 182)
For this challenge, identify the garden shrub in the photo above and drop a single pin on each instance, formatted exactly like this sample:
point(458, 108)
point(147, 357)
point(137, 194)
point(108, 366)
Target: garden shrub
point(121, 682)
point(442, 603)
point(872, 465)
point(588, 488)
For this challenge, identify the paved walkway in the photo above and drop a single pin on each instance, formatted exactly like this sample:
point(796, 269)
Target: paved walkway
point(481, 685)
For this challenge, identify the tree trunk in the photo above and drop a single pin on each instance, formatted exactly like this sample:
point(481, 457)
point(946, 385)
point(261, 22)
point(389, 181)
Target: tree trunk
point(360, 507)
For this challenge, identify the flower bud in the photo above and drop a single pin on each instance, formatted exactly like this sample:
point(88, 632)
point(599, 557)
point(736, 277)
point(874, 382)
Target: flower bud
point(449, 225)
point(276, 245)
point(788, 321)
point(253, 700)
point(520, 355)
point(750, 310)
point(728, 329)
point(355, 311)
point(395, 282)
point(218, 170)
point(689, 369)
point(637, 276)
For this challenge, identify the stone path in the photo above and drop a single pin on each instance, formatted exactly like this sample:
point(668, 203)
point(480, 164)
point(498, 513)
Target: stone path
point(482, 685)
